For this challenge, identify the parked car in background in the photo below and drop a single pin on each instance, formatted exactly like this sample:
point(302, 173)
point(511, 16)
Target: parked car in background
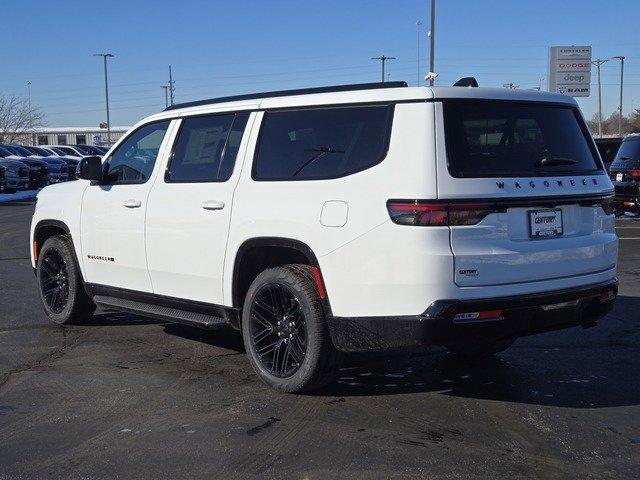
point(608, 147)
point(89, 149)
point(59, 168)
point(625, 174)
point(72, 162)
point(104, 150)
point(70, 150)
point(61, 153)
point(38, 169)
point(14, 176)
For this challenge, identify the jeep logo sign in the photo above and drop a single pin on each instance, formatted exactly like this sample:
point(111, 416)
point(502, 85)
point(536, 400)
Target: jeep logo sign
point(570, 70)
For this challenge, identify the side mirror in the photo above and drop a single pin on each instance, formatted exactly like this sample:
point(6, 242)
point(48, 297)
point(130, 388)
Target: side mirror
point(90, 168)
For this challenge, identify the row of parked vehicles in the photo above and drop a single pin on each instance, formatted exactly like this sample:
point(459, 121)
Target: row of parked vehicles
point(24, 167)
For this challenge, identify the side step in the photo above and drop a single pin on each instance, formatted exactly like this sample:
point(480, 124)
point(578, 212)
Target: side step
point(173, 315)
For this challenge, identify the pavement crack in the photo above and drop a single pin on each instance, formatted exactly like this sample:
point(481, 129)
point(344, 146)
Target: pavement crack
point(68, 342)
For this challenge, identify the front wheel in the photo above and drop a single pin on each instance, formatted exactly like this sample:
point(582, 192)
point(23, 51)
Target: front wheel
point(60, 284)
point(285, 332)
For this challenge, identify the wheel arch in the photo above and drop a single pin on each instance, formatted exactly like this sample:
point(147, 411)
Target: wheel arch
point(259, 253)
point(48, 228)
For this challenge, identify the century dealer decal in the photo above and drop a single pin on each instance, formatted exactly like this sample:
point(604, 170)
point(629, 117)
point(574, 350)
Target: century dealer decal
point(547, 183)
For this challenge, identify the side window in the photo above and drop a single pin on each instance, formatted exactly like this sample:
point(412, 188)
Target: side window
point(322, 143)
point(133, 160)
point(206, 148)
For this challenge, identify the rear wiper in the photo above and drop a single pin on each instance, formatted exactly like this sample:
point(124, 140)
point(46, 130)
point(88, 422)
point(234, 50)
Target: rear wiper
point(554, 161)
point(320, 152)
point(624, 158)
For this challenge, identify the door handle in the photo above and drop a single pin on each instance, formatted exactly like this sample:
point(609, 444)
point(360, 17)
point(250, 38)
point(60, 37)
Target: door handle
point(132, 203)
point(212, 205)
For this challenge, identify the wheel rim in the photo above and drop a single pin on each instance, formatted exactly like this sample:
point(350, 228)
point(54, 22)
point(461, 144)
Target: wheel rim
point(54, 281)
point(278, 330)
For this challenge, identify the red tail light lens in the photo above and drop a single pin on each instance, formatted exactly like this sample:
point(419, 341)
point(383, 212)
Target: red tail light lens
point(430, 214)
point(634, 173)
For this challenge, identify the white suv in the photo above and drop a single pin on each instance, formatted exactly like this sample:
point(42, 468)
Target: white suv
point(340, 219)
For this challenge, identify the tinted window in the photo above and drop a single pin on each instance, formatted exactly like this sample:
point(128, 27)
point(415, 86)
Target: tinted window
point(322, 143)
point(628, 153)
point(498, 139)
point(206, 148)
point(133, 160)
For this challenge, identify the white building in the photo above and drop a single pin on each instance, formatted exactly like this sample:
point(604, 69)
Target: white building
point(72, 135)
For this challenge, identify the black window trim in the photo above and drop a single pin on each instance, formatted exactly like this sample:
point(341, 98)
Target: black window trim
point(124, 139)
point(574, 109)
point(387, 140)
point(235, 114)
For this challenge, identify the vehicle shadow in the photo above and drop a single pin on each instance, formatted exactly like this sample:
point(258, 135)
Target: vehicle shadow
point(113, 318)
point(594, 368)
point(224, 337)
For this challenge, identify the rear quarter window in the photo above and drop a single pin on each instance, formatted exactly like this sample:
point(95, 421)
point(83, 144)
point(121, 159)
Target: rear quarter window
point(322, 143)
point(628, 154)
point(509, 139)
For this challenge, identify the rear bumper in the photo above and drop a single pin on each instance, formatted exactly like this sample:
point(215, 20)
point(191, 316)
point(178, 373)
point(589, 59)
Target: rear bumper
point(522, 315)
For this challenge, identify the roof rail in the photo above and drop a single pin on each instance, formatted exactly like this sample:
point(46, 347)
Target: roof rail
point(285, 93)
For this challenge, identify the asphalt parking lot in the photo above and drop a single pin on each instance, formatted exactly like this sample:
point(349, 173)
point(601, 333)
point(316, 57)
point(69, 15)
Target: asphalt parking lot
point(124, 397)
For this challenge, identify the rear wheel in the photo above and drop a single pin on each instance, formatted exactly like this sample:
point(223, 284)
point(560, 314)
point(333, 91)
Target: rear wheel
point(480, 348)
point(60, 283)
point(285, 332)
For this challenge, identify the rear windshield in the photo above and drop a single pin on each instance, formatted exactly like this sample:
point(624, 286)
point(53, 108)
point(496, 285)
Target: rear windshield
point(628, 154)
point(507, 139)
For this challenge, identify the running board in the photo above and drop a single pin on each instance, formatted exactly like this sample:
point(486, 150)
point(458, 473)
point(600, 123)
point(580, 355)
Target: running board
point(173, 315)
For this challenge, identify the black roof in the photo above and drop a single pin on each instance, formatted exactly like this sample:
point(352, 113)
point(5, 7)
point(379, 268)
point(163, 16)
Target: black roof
point(286, 93)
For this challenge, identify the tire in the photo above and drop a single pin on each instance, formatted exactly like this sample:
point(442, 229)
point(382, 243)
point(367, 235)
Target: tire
point(57, 269)
point(480, 348)
point(285, 332)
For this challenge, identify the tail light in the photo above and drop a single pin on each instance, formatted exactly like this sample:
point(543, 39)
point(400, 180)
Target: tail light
point(480, 316)
point(430, 214)
point(634, 173)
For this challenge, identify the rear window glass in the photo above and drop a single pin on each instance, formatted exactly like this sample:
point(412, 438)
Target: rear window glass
point(322, 143)
point(501, 139)
point(628, 153)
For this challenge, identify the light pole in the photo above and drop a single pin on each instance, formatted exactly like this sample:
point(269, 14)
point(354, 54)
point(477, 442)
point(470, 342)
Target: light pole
point(383, 58)
point(106, 90)
point(418, 25)
point(597, 63)
point(166, 95)
point(29, 95)
point(432, 40)
point(621, 58)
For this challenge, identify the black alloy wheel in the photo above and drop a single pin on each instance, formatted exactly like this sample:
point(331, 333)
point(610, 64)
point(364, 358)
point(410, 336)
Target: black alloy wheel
point(278, 330)
point(54, 281)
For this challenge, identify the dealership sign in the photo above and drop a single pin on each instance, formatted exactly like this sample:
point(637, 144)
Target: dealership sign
point(570, 70)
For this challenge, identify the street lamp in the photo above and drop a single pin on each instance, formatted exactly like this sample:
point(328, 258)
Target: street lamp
point(29, 95)
point(106, 90)
point(418, 25)
point(621, 58)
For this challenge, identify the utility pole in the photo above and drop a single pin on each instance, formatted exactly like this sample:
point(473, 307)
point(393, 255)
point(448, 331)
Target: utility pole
point(621, 58)
point(166, 95)
point(383, 58)
point(106, 90)
point(418, 24)
point(432, 40)
point(29, 95)
point(597, 63)
point(172, 86)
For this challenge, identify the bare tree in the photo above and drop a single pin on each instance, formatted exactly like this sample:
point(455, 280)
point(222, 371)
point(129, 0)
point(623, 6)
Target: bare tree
point(17, 118)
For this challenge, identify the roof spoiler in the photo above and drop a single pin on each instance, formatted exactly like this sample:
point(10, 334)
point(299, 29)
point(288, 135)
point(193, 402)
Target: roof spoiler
point(466, 82)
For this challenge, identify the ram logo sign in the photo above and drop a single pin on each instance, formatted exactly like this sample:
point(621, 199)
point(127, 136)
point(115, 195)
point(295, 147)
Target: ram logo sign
point(570, 70)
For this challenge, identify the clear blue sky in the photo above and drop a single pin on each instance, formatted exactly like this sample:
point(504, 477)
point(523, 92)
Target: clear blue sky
point(227, 47)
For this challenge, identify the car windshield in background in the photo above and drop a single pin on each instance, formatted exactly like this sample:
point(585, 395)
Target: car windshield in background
point(628, 153)
point(508, 139)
